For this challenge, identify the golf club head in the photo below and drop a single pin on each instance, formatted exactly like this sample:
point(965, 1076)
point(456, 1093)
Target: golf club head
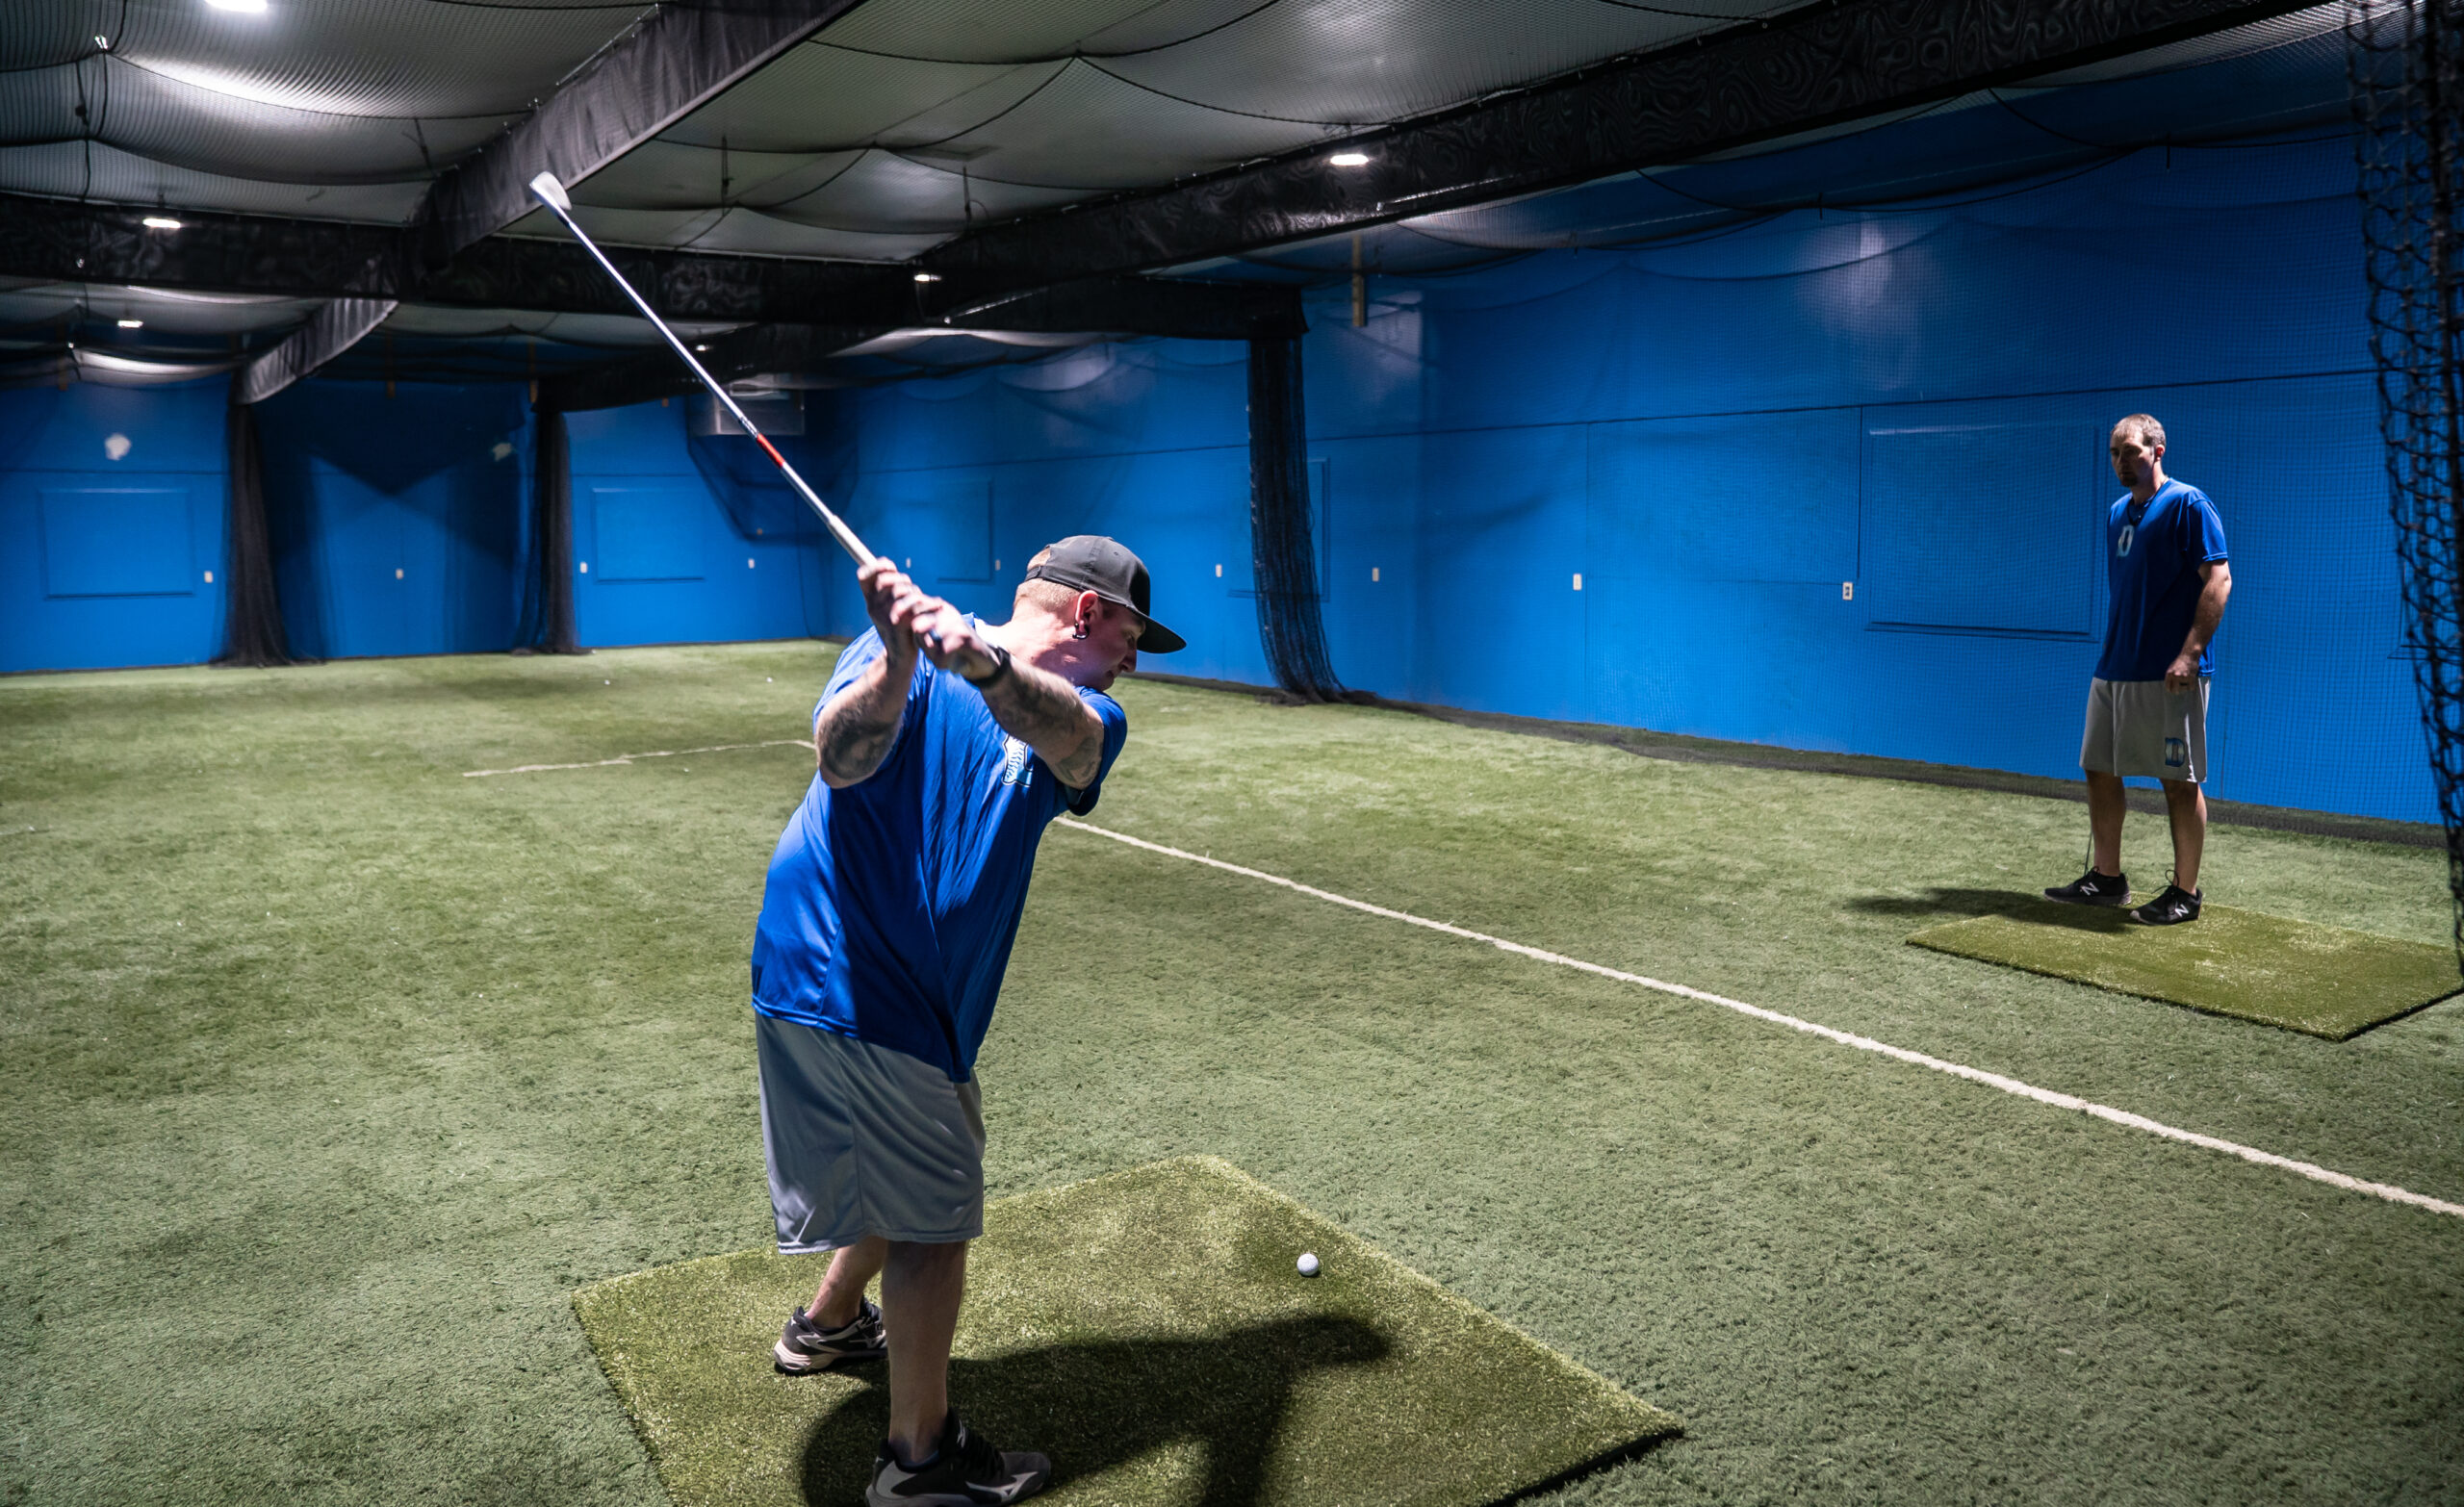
point(550, 191)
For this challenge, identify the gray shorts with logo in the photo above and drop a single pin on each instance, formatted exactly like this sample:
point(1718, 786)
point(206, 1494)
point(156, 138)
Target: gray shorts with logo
point(2140, 727)
point(864, 1140)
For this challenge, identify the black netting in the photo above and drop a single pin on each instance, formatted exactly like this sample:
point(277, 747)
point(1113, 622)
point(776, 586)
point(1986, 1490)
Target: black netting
point(1281, 544)
point(547, 622)
point(2407, 62)
point(252, 632)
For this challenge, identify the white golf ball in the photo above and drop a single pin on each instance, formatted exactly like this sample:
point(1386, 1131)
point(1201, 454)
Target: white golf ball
point(1308, 1264)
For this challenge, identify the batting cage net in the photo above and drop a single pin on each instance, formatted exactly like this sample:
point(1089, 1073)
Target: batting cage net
point(2407, 62)
point(1289, 626)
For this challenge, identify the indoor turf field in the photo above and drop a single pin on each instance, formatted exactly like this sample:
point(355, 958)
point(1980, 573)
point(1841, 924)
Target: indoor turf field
point(333, 1071)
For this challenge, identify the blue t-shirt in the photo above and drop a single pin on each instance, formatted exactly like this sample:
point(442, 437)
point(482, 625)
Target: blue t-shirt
point(2152, 558)
point(892, 904)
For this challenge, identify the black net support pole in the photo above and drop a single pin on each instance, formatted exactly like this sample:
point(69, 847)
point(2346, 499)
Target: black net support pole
point(252, 634)
point(547, 622)
point(1281, 539)
point(2407, 67)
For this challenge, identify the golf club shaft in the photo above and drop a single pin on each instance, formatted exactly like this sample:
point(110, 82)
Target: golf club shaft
point(838, 526)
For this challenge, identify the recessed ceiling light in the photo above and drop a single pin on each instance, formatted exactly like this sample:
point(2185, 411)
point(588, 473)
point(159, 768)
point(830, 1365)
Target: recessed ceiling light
point(252, 7)
point(161, 223)
point(928, 277)
point(701, 347)
point(131, 324)
point(1349, 159)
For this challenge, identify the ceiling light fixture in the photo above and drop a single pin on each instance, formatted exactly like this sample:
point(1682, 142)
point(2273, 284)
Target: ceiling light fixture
point(1349, 160)
point(161, 223)
point(252, 6)
point(131, 324)
point(928, 277)
point(701, 347)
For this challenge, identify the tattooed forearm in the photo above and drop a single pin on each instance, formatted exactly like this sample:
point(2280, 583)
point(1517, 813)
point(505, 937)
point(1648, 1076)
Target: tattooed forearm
point(854, 731)
point(1044, 712)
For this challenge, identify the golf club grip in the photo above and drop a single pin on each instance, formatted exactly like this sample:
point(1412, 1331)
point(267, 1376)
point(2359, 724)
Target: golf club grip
point(837, 525)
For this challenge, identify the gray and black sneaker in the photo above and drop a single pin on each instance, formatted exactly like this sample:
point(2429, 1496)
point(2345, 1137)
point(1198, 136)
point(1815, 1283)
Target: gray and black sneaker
point(805, 1346)
point(2171, 908)
point(966, 1471)
point(2092, 888)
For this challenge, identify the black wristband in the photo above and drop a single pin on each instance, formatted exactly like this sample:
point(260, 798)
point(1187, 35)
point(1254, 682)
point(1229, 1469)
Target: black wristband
point(1000, 668)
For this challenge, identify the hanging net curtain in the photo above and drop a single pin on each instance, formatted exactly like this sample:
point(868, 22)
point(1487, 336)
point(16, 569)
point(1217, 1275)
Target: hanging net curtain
point(252, 632)
point(546, 626)
point(2407, 64)
point(1289, 627)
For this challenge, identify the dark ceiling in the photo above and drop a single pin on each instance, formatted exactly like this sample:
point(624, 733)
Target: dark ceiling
point(821, 175)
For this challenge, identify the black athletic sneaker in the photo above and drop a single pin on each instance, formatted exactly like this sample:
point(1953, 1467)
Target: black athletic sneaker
point(2092, 888)
point(2172, 907)
point(804, 1346)
point(967, 1472)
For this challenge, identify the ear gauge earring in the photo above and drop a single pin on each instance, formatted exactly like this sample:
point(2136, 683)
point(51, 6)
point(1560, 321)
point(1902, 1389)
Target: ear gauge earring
point(1080, 631)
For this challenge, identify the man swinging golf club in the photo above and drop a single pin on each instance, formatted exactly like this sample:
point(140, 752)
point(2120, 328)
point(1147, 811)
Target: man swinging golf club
point(945, 746)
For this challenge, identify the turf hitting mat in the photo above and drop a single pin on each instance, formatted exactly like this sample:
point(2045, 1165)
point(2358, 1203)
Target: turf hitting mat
point(2324, 981)
point(1149, 1332)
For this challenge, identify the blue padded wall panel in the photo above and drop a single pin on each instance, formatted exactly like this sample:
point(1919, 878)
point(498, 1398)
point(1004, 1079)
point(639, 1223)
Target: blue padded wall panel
point(111, 522)
point(117, 541)
point(683, 540)
point(1985, 517)
point(1500, 621)
point(1726, 498)
point(651, 533)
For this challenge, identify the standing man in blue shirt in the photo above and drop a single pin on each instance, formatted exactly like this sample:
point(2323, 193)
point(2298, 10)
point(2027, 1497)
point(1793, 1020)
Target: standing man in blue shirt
point(945, 746)
point(2166, 562)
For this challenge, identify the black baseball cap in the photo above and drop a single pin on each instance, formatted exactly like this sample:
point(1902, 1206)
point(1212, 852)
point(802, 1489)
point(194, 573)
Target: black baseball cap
point(1105, 567)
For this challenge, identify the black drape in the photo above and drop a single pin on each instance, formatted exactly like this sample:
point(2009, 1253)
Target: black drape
point(253, 608)
point(547, 622)
point(1281, 540)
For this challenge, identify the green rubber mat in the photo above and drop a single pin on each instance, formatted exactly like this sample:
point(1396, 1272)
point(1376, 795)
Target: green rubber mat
point(1149, 1332)
point(2319, 980)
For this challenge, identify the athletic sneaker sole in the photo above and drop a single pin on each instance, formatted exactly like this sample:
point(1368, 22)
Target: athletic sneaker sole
point(793, 1362)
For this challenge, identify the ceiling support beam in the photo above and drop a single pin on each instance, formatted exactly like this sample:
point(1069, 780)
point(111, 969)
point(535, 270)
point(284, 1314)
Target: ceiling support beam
point(681, 55)
point(1828, 63)
point(330, 331)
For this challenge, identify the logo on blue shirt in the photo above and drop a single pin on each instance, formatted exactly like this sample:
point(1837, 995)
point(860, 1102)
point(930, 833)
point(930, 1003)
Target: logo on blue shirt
point(2129, 531)
point(1013, 765)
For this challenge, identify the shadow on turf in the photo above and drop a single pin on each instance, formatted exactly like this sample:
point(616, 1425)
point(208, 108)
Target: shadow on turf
point(1092, 1407)
point(1941, 901)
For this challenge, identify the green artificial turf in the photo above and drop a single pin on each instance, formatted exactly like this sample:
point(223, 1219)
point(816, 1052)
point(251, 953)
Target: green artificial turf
point(2323, 981)
point(327, 1074)
point(1149, 1332)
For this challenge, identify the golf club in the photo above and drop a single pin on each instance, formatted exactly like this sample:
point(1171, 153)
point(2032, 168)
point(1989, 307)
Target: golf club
point(552, 192)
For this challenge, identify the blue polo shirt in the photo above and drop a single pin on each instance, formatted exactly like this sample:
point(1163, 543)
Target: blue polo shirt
point(2154, 551)
point(892, 904)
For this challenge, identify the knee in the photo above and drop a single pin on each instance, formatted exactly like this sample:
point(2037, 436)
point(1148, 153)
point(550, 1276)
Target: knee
point(2181, 792)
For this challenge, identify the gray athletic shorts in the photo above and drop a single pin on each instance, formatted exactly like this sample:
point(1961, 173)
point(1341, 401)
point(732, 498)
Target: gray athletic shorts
point(2140, 727)
point(864, 1140)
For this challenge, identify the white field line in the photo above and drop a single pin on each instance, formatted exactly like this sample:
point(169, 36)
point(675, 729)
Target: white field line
point(626, 759)
point(1974, 1075)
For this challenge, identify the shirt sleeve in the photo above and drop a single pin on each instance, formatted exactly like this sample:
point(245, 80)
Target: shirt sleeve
point(1116, 734)
point(2207, 542)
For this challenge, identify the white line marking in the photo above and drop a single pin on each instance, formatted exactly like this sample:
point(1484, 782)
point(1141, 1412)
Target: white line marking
point(2009, 1085)
point(626, 759)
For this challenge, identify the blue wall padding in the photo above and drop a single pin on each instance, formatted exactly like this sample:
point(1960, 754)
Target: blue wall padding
point(105, 548)
point(1723, 439)
point(397, 522)
point(1726, 439)
point(680, 539)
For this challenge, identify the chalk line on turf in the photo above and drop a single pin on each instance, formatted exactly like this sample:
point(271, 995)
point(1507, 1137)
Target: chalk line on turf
point(626, 759)
point(1974, 1075)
